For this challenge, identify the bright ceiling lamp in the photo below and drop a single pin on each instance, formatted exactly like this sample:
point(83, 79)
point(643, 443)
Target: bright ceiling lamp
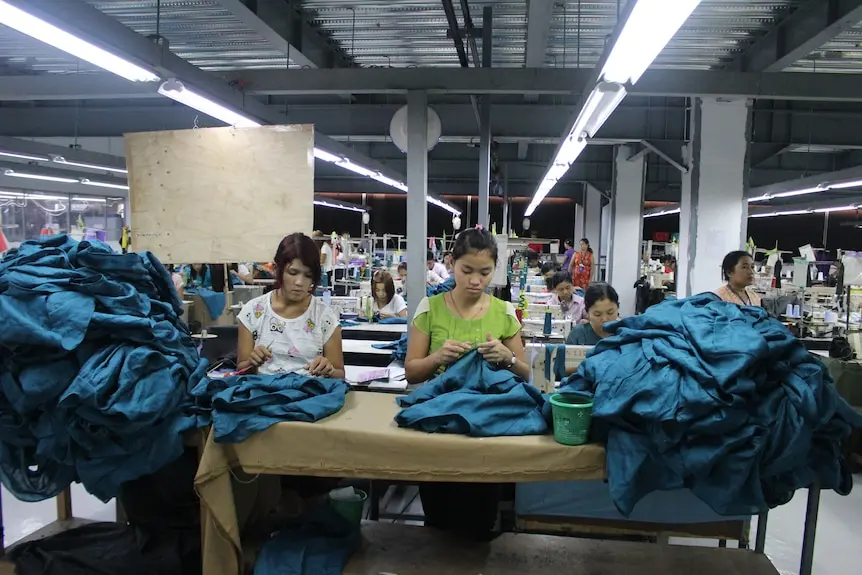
point(648, 29)
point(662, 213)
point(600, 104)
point(16, 174)
point(87, 182)
point(179, 92)
point(844, 185)
point(50, 34)
point(807, 211)
point(838, 209)
point(90, 199)
point(444, 205)
point(569, 151)
point(339, 206)
point(29, 157)
point(65, 162)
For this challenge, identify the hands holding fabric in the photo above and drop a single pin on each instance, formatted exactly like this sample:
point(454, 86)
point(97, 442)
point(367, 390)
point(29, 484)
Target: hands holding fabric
point(260, 355)
point(451, 351)
point(494, 351)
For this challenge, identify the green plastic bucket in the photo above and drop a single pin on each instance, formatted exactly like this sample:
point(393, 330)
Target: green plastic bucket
point(572, 413)
point(350, 510)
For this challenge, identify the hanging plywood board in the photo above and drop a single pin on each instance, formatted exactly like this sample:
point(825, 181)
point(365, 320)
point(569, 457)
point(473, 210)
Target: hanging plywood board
point(220, 195)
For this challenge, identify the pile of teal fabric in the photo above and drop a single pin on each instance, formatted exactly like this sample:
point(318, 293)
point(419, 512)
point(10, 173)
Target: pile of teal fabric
point(436, 289)
point(95, 367)
point(716, 397)
point(473, 398)
point(398, 347)
point(243, 405)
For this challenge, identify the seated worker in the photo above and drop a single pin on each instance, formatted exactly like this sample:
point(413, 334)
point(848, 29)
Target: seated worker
point(445, 327)
point(571, 304)
point(289, 330)
point(448, 263)
point(602, 305)
point(385, 302)
point(738, 271)
point(243, 273)
point(436, 267)
point(548, 270)
point(402, 273)
point(199, 276)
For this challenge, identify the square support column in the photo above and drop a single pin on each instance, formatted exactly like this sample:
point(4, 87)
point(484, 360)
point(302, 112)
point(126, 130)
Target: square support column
point(626, 225)
point(579, 223)
point(417, 197)
point(593, 224)
point(713, 210)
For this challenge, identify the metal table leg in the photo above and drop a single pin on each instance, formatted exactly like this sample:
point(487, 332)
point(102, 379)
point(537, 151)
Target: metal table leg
point(807, 561)
point(760, 537)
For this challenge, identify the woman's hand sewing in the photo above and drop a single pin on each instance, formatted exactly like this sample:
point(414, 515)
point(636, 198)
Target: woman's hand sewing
point(451, 351)
point(494, 351)
point(320, 367)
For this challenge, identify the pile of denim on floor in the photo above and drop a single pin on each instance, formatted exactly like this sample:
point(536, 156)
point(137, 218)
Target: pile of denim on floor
point(243, 405)
point(716, 397)
point(95, 367)
point(473, 398)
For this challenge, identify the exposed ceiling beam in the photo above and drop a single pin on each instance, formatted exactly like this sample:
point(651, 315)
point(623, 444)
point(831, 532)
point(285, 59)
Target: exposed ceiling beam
point(808, 28)
point(452, 81)
point(272, 20)
point(539, 14)
point(854, 173)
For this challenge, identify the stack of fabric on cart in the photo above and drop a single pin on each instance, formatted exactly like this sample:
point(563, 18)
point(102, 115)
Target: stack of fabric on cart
point(95, 368)
point(716, 397)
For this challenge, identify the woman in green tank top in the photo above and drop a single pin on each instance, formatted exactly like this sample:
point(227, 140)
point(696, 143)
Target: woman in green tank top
point(444, 328)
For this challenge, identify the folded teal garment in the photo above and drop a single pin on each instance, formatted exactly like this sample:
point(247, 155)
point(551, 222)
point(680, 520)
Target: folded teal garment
point(320, 542)
point(349, 323)
point(246, 404)
point(716, 397)
point(392, 320)
point(555, 366)
point(213, 300)
point(398, 347)
point(95, 368)
point(472, 398)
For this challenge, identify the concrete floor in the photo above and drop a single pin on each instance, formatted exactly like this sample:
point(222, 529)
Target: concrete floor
point(837, 552)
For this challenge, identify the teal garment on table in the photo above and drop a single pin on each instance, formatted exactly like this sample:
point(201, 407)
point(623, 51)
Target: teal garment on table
point(398, 347)
point(320, 542)
point(583, 334)
point(95, 369)
point(716, 397)
point(447, 285)
point(473, 398)
point(243, 405)
point(213, 300)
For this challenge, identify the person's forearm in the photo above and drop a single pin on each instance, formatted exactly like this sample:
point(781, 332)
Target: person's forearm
point(245, 364)
point(419, 370)
point(521, 369)
point(337, 373)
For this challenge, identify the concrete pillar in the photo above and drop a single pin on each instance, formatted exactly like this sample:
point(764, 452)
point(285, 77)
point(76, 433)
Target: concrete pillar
point(713, 208)
point(626, 225)
point(593, 224)
point(417, 197)
point(579, 223)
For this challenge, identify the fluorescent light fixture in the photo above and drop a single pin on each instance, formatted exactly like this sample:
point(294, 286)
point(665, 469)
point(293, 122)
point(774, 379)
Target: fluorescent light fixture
point(650, 26)
point(30, 157)
point(390, 182)
point(65, 162)
point(338, 206)
point(46, 197)
point(784, 213)
point(16, 174)
point(177, 91)
point(95, 200)
point(567, 154)
point(448, 208)
point(662, 213)
point(50, 34)
point(844, 185)
point(600, 104)
point(802, 192)
point(87, 182)
point(838, 209)
point(326, 156)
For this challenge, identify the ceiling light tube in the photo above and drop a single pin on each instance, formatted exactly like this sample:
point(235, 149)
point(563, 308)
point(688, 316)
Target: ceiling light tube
point(785, 213)
point(571, 149)
point(447, 207)
point(179, 92)
point(96, 200)
point(600, 104)
point(65, 162)
point(648, 29)
point(87, 182)
point(838, 209)
point(45, 197)
point(30, 157)
point(802, 192)
point(49, 34)
point(662, 213)
point(338, 206)
point(843, 185)
point(326, 156)
point(16, 174)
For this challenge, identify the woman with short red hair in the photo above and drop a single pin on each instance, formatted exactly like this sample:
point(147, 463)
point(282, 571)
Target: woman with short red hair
point(288, 329)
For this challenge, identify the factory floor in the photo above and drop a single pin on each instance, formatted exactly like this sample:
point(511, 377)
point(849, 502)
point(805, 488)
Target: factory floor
point(837, 551)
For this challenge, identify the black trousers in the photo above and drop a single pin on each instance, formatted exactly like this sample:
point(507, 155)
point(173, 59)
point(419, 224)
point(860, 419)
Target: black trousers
point(469, 509)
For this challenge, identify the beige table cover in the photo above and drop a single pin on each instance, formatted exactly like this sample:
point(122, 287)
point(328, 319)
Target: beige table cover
point(363, 441)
